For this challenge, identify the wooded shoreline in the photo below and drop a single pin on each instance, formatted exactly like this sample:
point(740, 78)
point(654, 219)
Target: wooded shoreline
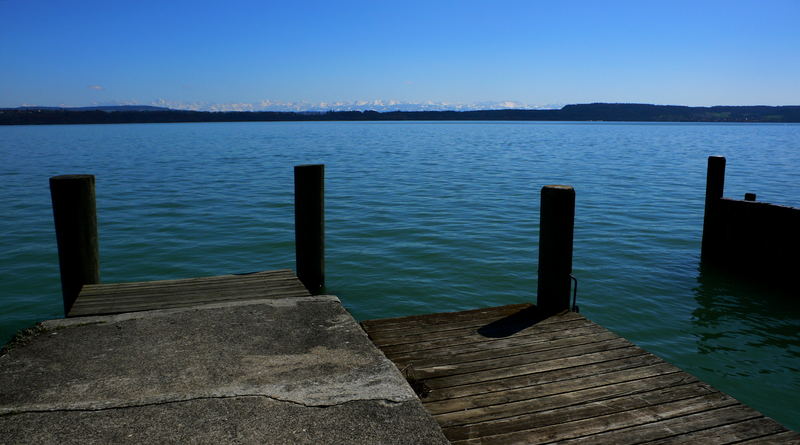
point(581, 112)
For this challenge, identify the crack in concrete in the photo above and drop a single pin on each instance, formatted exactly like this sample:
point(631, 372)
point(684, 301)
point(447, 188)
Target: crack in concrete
point(11, 412)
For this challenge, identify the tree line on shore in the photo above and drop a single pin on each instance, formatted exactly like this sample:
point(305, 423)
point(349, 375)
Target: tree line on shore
point(581, 112)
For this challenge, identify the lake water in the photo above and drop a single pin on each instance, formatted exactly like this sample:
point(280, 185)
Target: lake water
point(428, 217)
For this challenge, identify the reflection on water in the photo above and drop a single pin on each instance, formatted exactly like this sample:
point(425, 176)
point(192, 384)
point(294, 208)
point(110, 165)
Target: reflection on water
point(728, 315)
point(745, 328)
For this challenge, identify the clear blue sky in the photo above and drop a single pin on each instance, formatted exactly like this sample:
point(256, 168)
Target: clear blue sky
point(84, 52)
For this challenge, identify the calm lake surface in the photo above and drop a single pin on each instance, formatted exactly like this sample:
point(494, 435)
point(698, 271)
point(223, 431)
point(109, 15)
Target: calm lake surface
point(429, 217)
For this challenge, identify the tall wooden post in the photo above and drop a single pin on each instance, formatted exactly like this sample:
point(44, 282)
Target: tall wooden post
point(715, 186)
point(557, 220)
point(309, 225)
point(75, 217)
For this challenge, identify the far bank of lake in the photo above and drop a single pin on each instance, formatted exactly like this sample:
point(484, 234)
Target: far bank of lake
point(595, 112)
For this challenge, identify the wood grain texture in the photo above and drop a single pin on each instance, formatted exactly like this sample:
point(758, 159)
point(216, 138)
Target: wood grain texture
point(116, 298)
point(510, 375)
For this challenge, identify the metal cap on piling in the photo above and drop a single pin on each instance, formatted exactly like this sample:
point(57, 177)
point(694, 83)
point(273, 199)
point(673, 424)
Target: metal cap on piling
point(557, 219)
point(75, 218)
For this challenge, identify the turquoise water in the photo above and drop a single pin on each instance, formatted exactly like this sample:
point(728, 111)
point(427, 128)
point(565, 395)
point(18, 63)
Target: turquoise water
point(428, 217)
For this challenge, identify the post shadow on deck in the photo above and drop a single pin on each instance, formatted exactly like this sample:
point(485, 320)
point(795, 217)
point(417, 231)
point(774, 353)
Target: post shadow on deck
point(75, 217)
point(309, 225)
point(556, 226)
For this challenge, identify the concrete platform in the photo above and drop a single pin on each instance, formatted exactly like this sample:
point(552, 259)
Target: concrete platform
point(287, 370)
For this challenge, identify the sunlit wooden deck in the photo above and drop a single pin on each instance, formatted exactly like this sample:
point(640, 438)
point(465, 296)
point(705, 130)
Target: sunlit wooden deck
point(504, 375)
point(116, 298)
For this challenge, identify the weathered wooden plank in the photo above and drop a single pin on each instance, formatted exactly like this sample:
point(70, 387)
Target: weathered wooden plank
point(787, 438)
point(421, 343)
point(594, 425)
point(500, 347)
point(458, 320)
point(501, 373)
point(562, 375)
point(568, 398)
point(508, 395)
point(100, 291)
point(188, 294)
point(199, 281)
point(534, 417)
point(525, 345)
point(163, 302)
point(677, 427)
point(131, 297)
point(497, 329)
point(504, 321)
point(443, 317)
point(735, 432)
point(514, 312)
point(182, 281)
point(196, 295)
point(193, 292)
point(519, 359)
point(133, 293)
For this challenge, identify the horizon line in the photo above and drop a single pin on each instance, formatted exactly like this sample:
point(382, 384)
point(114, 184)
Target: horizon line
point(373, 106)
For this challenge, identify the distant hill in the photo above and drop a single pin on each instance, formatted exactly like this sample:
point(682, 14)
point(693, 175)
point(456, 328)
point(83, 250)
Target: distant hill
point(582, 112)
point(675, 113)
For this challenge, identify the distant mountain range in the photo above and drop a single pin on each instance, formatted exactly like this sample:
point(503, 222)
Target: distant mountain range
point(582, 112)
point(96, 108)
point(357, 105)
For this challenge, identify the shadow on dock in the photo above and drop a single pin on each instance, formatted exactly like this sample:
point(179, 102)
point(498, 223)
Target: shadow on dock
point(512, 324)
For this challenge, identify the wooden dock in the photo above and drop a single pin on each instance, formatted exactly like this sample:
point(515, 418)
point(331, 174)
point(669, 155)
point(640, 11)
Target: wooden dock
point(505, 375)
point(117, 298)
point(498, 375)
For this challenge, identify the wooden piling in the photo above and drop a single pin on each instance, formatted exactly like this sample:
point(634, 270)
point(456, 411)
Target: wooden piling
point(557, 219)
point(309, 225)
point(750, 197)
point(715, 186)
point(75, 217)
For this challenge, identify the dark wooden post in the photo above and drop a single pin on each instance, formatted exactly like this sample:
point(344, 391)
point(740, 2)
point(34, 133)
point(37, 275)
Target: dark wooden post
point(556, 225)
point(749, 196)
point(309, 225)
point(75, 217)
point(715, 186)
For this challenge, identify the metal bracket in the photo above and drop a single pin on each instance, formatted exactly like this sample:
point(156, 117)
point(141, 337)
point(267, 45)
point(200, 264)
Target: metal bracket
point(575, 307)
